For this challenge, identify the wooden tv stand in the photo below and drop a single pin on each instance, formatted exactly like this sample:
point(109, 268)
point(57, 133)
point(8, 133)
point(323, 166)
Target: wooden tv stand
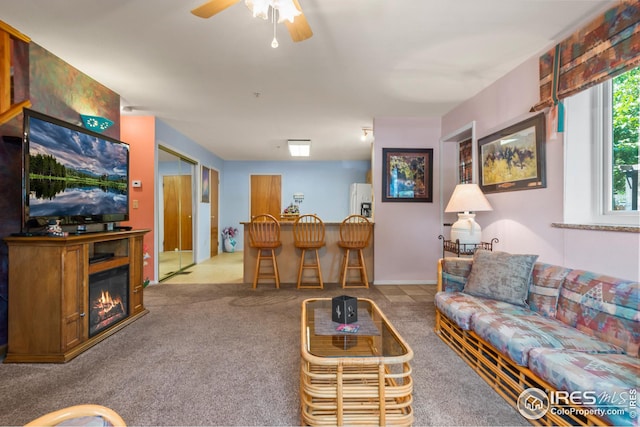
point(49, 291)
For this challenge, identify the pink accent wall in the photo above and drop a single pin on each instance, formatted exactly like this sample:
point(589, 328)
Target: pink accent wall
point(139, 133)
point(522, 219)
point(406, 234)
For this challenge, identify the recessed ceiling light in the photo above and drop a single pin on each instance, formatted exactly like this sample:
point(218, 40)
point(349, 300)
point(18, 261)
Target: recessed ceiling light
point(299, 147)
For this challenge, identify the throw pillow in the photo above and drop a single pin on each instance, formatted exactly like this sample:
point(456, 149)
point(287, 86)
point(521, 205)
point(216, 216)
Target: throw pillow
point(500, 276)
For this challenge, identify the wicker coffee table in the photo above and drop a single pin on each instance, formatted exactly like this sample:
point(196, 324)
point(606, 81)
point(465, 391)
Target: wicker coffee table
point(353, 378)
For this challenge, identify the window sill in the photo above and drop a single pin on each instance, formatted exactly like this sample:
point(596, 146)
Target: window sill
point(598, 227)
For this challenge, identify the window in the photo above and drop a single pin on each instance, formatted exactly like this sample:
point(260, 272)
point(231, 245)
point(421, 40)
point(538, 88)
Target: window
point(621, 148)
point(601, 153)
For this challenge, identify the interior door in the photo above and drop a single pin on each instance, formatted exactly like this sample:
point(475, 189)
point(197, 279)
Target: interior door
point(176, 196)
point(186, 212)
point(178, 226)
point(171, 209)
point(266, 195)
point(215, 243)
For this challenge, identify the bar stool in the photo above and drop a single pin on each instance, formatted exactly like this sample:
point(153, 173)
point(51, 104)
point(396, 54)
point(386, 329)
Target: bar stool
point(308, 235)
point(355, 233)
point(264, 235)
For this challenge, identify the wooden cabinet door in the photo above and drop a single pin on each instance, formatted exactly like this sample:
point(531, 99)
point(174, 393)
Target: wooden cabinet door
point(136, 285)
point(74, 297)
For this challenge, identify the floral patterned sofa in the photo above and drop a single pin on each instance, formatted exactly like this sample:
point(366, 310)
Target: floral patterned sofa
point(571, 335)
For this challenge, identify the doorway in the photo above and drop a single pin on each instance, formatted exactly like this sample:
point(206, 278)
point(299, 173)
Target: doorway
point(176, 223)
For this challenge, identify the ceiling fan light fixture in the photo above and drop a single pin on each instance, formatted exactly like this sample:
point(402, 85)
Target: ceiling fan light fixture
point(259, 8)
point(287, 11)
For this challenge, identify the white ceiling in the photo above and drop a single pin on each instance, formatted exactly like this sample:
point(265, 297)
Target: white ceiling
point(219, 82)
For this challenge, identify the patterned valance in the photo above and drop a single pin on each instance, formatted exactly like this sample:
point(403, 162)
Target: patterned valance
point(606, 47)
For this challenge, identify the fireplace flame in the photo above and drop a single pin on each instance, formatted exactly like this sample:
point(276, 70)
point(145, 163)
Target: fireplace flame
point(106, 303)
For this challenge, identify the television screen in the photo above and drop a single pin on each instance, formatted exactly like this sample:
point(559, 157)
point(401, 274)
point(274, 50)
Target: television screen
point(72, 174)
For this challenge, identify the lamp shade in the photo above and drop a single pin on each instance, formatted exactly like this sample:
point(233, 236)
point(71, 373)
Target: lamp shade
point(467, 198)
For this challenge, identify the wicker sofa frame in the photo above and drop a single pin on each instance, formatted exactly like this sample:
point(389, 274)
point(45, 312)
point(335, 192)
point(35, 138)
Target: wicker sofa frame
point(503, 375)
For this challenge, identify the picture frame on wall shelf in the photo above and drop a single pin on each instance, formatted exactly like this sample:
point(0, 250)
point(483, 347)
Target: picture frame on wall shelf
point(204, 181)
point(465, 162)
point(514, 158)
point(407, 175)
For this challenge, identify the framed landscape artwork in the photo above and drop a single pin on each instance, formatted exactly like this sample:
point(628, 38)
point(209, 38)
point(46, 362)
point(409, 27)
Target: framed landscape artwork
point(205, 184)
point(513, 158)
point(407, 175)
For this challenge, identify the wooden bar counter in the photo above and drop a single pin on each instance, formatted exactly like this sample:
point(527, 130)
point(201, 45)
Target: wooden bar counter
point(288, 256)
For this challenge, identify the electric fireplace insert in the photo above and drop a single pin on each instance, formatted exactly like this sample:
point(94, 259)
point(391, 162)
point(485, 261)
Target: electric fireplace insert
point(108, 298)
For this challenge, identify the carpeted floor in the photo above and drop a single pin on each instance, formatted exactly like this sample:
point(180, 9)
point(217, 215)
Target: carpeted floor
point(228, 355)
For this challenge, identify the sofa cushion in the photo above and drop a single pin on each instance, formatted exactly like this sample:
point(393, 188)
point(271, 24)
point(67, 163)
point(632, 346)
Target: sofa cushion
point(501, 276)
point(603, 306)
point(454, 273)
point(461, 308)
point(515, 335)
point(545, 288)
point(612, 377)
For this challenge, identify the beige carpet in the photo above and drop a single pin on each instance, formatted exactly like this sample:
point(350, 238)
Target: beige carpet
point(228, 355)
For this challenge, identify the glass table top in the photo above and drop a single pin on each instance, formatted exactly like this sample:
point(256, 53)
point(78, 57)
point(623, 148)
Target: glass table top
point(374, 336)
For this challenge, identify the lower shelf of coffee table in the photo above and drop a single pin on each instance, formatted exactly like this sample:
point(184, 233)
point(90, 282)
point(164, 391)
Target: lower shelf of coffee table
point(352, 392)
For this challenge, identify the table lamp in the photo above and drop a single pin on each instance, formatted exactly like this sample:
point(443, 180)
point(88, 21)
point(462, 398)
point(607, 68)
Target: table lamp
point(467, 198)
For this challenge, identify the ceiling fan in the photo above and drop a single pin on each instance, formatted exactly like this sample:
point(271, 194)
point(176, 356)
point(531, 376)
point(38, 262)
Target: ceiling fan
point(289, 11)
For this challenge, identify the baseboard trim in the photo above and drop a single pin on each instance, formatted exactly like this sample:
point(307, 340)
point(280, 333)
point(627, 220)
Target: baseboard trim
point(404, 282)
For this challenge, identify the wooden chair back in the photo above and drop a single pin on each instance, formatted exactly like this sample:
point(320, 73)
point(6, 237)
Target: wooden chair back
point(355, 232)
point(308, 231)
point(99, 412)
point(264, 231)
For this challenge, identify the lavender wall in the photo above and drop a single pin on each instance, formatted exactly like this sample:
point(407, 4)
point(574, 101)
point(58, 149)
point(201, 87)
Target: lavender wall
point(406, 234)
point(522, 219)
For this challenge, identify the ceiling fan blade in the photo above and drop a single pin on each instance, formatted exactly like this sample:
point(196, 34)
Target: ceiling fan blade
point(210, 8)
point(299, 29)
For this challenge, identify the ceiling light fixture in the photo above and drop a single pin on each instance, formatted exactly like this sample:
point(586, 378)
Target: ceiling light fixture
point(277, 10)
point(299, 147)
point(365, 132)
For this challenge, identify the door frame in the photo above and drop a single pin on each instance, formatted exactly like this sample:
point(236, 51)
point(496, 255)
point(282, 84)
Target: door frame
point(449, 155)
point(159, 201)
point(214, 185)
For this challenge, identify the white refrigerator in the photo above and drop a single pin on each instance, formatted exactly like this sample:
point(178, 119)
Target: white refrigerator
point(360, 199)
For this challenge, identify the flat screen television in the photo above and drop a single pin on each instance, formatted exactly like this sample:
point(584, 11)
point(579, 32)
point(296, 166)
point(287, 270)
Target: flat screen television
point(72, 174)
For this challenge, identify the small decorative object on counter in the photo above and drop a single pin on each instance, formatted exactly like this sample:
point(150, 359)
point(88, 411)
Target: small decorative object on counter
point(292, 209)
point(54, 229)
point(228, 239)
point(344, 309)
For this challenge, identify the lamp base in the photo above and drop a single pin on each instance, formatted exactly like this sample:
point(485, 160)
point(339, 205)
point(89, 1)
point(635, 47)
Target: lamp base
point(466, 230)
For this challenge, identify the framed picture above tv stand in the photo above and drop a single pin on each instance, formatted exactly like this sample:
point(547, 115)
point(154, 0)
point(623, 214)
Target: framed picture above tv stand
point(55, 310)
